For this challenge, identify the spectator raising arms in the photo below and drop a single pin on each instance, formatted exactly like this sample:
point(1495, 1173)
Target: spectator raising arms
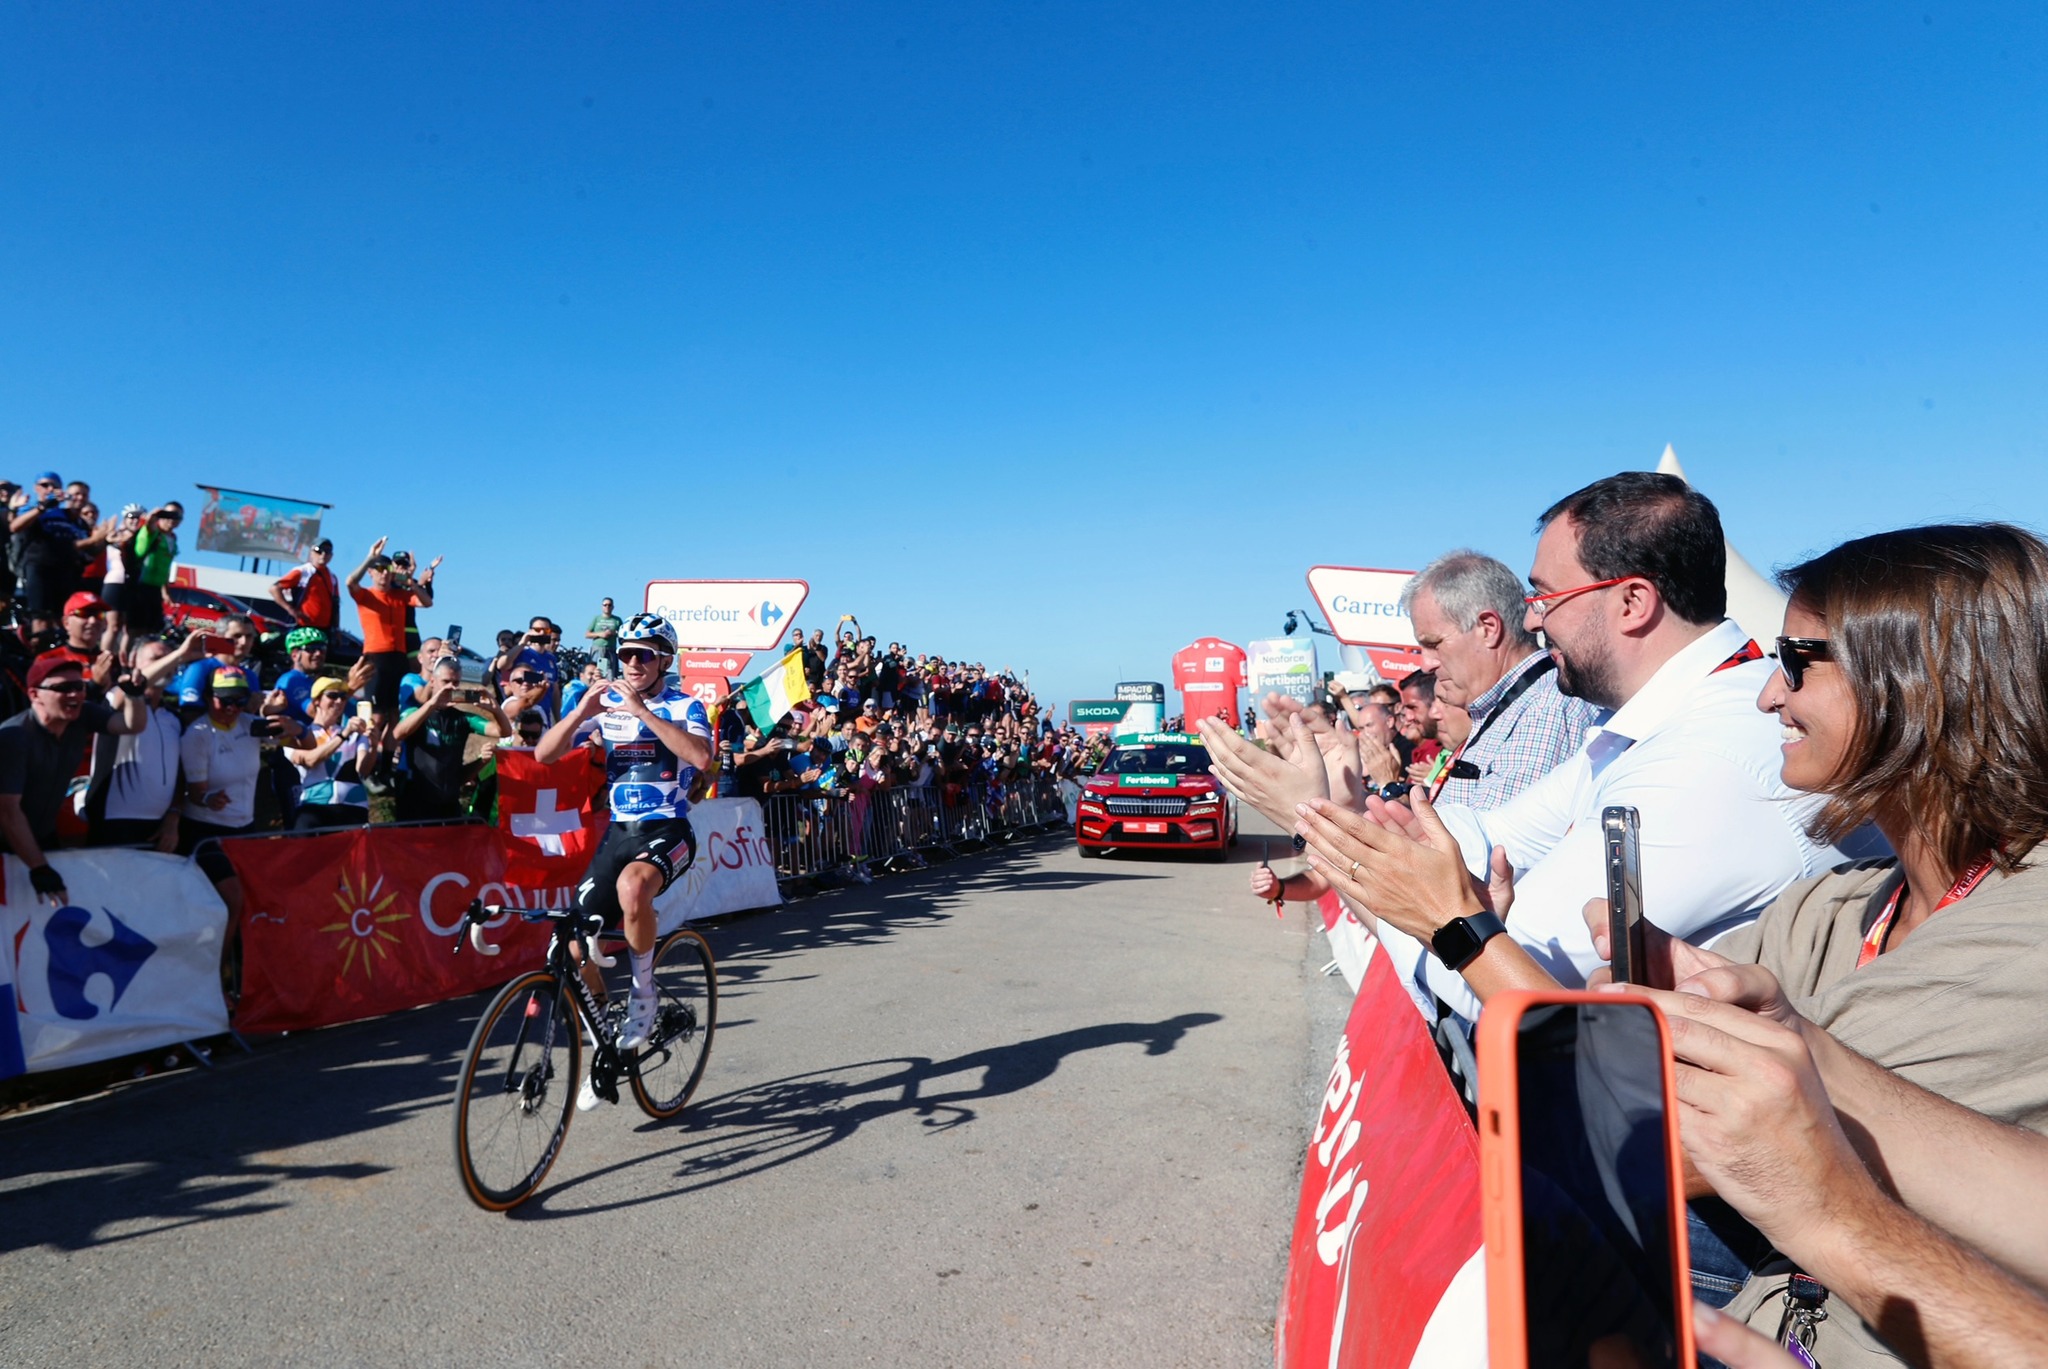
point(132, 796)
point(384, 608)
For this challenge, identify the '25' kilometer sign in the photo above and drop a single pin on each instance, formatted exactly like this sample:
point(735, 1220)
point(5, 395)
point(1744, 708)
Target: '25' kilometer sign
point(728, 615)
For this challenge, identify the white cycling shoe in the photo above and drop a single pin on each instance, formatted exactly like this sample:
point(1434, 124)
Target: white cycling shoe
point(586, 1096)
point(640, 1012)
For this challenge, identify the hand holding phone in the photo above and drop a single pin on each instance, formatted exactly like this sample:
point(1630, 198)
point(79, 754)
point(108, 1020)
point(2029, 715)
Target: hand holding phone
point(214, 644)
point(1621, 849)
point(1587, 1252)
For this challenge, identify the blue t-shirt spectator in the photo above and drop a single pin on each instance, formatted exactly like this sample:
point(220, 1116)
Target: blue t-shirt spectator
point(298, 694)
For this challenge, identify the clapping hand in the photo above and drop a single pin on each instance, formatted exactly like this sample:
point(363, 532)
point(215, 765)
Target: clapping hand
point(1274, 785)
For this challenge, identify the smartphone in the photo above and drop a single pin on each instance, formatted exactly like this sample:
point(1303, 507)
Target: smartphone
point(363, 710)
point(1619, 827)
point(469, 695)
point(1582, 1187)
point(454, 639)
point(217, 645)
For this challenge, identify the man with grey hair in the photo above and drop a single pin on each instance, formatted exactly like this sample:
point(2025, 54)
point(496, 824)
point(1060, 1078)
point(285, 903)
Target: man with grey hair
point(1468, 614)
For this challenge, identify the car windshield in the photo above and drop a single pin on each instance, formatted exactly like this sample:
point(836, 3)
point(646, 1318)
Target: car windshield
point(1158, 760)
point(191, 598)
point(269, 608)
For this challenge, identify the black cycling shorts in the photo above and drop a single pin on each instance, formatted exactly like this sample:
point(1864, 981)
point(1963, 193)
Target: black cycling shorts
point(667, 844)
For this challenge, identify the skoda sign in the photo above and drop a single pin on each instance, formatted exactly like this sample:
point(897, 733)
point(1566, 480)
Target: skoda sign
point(728, 615)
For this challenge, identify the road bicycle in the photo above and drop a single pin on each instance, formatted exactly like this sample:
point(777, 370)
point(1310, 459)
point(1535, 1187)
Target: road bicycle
point(519, 1079)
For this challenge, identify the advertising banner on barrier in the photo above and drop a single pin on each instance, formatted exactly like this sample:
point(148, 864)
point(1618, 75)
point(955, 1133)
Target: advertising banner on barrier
point(363, 922)
point(1386, 1265)
point(131, 962)
point(1282, 665)
point(734, 869)
point(739, 615)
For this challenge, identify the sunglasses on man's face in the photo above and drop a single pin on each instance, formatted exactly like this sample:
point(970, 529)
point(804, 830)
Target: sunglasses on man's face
point(1795, 654)
point(634, 655)
point(529, 679)
point(65, 687)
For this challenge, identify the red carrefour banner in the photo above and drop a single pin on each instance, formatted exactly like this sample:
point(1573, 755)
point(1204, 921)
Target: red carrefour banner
point(1208, 673)
point(363, 922)
point(1385, 1265)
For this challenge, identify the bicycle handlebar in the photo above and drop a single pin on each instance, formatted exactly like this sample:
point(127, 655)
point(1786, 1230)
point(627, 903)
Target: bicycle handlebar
point(478, 913)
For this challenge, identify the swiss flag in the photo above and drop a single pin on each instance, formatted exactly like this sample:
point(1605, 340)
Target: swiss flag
point(549, 809)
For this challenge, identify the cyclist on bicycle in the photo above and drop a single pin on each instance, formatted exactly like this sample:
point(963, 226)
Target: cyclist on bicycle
point(656, 738)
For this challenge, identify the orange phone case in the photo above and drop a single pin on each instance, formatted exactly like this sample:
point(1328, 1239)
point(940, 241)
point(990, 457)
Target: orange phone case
point(1500, 1149)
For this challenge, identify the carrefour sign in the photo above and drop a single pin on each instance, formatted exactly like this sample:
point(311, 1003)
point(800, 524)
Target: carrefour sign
point(1363, 606)
point(728, 615)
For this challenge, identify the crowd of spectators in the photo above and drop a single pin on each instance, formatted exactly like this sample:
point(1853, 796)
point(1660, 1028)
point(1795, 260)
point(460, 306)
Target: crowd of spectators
point(120, 731)
point(883, 718)
point(1840, 846)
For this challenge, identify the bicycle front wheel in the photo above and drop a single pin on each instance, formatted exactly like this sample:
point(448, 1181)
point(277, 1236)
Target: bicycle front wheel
point(513, 1102)
point(665, 1072)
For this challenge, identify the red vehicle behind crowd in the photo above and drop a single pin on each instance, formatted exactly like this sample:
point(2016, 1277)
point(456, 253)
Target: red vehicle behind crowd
point(1155, 790)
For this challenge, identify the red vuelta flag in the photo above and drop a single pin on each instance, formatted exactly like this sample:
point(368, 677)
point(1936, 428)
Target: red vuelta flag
point(550, 812)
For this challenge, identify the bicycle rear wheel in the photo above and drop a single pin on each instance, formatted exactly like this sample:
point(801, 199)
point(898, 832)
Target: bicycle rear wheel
point(665, 1072)
point(513, 1101)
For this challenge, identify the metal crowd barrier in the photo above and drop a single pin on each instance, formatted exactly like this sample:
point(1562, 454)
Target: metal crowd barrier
point(836, 836)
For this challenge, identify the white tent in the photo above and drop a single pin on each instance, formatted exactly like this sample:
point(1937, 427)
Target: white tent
point(1753, 602)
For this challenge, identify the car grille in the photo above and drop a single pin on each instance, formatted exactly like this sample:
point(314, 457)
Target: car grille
point(1146, 808)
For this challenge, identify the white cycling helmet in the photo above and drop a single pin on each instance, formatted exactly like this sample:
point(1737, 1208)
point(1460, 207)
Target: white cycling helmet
point(651, 628)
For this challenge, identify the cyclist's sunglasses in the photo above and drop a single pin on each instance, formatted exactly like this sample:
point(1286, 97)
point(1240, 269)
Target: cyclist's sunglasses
point(1795, 654)
point(638, 655)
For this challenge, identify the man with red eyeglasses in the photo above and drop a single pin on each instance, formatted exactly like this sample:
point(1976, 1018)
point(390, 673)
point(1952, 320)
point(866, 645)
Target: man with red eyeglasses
point(42, 747)
point(1629, 589)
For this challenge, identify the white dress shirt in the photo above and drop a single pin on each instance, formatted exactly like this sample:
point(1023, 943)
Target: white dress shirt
point(1721, 832)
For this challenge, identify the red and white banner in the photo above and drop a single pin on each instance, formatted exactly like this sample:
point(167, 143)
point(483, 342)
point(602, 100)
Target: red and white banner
point(129, 963)
point(549, 810)
point(363, 922)
point(1386, 1266)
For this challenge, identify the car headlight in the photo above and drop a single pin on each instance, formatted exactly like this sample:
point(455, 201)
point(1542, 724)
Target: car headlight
point(1202, 800)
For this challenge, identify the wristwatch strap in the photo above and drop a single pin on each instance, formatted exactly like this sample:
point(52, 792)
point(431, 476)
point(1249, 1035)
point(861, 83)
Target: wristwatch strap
point(1458, 942)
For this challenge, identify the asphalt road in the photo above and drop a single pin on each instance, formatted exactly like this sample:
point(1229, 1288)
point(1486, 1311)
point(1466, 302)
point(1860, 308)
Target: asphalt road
point(1018, 1109)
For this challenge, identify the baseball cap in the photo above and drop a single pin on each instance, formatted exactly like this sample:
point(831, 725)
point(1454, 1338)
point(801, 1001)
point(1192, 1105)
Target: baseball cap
point(51, 477)
point(49, 663)
point(85, 601)
point(230, 679)
point(325, 686)
point(380, 562)
point(325, 544)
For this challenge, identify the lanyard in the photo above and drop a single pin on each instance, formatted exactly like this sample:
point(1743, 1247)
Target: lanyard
point(1514, 692)
point(1881, 930)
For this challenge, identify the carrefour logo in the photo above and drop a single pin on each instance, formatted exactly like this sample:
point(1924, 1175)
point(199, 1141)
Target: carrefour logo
point(767, 614)
point(1369, 608)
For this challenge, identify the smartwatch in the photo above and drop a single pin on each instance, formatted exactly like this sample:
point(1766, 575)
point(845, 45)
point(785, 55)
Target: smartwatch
point(1458, 942)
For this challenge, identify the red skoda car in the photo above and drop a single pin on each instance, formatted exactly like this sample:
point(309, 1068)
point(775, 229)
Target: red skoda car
point(1154, 789)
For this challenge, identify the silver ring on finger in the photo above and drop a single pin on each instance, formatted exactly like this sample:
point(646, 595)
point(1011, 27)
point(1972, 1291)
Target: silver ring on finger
point(1354, 869)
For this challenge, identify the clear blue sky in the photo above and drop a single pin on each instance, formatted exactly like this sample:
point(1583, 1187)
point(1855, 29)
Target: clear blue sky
point(1054, 335)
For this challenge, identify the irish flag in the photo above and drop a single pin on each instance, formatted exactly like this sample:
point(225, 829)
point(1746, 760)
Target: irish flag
point(780, 688)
